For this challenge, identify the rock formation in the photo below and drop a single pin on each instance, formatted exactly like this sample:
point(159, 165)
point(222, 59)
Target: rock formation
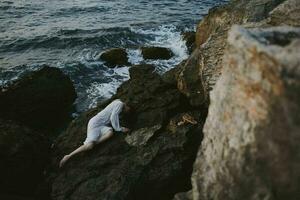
point(157, 53)
point(23, 154)
point(250, 148)
point(248, 77)
point(41, 99)
point(31, 108)
point(190, 39)
point(203, 67)
point(251, 134)
point(153, 162)
point(114, 57)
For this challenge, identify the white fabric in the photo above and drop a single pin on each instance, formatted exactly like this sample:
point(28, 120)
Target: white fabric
point(95, 134)
point(98, 125)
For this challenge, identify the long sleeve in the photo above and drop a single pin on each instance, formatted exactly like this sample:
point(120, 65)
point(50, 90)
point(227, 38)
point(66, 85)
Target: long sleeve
point(114, 117)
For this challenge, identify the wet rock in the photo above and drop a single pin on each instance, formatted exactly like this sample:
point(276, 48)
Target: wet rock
point(42, 99)
point(157, 53)
point(189, 38)
point(23, 154)
point(114, 57)
point(286, 13)
point(149, 163)
point(251, 139)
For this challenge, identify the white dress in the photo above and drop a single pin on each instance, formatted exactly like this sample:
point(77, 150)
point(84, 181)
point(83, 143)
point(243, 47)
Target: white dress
point(99, 124)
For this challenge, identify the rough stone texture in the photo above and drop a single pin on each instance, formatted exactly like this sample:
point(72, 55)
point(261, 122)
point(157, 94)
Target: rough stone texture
point(251, 139)
point(157, 53)
point(170, 77)
point(115, 57)
point(211, 42)
point(43, 99)
point(23, 155)
point(156, 166)
point(190, 80)
point(286, 13)
point(141, 136)
point(190, 39)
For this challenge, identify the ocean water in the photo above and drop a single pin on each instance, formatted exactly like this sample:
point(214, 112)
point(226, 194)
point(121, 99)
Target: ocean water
point(69, 34)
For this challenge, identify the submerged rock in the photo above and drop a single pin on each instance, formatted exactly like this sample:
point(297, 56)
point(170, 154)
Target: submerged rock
point(43, 99)
point(23, 154)
point(152, 162)
point(158, 53)
point(115, 57)
point(251, 139)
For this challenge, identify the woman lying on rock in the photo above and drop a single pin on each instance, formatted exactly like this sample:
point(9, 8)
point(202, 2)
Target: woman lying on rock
point(98, 129)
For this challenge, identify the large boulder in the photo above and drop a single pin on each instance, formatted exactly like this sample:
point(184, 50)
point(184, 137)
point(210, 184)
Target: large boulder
point(41, 99)
point(205, 62)
point(114, 57)
point(24, 154)
point(153, 162)
point(251, 139)
point(157, 53)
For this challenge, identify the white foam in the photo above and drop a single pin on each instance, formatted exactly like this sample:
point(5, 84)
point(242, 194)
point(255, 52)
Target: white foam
point(115, 77)
point(169, 37)
point(134, 56)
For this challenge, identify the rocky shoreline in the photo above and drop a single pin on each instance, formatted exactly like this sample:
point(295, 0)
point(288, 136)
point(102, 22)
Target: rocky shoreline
point(240, 85)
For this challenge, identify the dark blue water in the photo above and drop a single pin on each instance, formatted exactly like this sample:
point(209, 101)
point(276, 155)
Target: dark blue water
point(69, 34)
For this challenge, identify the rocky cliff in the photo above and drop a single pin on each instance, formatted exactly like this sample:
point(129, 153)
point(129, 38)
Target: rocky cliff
point(241, 83)
point(251, 134)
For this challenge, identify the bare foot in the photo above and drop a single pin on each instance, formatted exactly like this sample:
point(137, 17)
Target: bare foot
point(63, 161)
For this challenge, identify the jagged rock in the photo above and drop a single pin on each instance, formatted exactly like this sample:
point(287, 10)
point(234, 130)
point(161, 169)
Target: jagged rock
point(189, 38)
point(171, 76)
point(158, 53)
point(115, 57)
point(23, 154)
point(286, 13)
point(141, 136)
point(156, 163)
point(203, 68)
point(190, 80)
point(150, 96)
point(42, 99)
point(251, 139)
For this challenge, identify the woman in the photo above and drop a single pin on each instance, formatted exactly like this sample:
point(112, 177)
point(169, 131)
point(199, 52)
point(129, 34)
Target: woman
point(99, 130)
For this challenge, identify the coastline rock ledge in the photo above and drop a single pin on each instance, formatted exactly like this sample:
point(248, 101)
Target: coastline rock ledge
point(251, 139)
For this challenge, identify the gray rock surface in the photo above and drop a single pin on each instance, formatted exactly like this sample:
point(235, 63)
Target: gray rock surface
point(203, 68)
point(286, 13)
point(141, 136)
point(251, 139)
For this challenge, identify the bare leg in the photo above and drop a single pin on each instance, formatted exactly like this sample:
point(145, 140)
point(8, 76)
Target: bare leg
point(82, 148)
point(105, 137)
